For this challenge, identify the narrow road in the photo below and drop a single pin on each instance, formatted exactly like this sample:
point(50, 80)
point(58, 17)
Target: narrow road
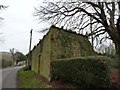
point(9, 77)
point(0, 79)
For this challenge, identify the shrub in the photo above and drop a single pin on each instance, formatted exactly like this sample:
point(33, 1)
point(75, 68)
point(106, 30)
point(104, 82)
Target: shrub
point(6, 63)
point(88, 72)
point(27, 68)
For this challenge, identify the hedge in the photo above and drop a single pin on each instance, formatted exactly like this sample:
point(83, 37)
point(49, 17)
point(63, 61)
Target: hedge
point(6, 63)
point(88, 72)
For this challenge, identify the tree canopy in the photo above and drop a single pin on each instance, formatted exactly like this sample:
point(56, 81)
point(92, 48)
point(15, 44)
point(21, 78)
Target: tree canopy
point(18, 56)
point(104, 17)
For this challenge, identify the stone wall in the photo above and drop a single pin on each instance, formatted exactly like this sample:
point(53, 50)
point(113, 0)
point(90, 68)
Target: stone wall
point(67, 44)
point(45, 57)
point(35, 58)
point(41, 57)
point(58, 44)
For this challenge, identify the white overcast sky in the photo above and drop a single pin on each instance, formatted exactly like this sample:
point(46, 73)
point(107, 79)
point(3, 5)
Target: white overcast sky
point(18, 21)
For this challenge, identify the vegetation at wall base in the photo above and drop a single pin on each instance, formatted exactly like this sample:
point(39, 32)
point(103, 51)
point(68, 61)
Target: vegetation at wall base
point(27, 68)
point(29, 79)
point(90, 72)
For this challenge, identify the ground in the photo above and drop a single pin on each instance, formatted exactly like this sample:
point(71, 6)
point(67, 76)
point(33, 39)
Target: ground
point(8, 77)
point(29, 79)
point(115, 77)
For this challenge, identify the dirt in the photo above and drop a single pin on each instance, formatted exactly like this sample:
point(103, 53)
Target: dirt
point(115, 77)
point(60, 84)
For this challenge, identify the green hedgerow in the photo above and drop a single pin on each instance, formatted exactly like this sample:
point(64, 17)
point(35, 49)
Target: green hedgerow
point(88, 72)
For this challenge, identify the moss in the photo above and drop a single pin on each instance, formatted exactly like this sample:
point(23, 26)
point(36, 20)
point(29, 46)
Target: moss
point(65, 43)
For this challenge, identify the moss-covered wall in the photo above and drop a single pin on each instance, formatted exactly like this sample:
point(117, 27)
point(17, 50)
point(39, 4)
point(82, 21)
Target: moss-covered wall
point(66, 44)
point(58, 44)
point(35, 58)
point(45, 57)
point(41, 57)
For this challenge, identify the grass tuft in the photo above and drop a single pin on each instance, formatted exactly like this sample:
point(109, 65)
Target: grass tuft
point(29, 79)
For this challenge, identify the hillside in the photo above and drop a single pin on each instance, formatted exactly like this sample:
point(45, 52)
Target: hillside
point(6, 56)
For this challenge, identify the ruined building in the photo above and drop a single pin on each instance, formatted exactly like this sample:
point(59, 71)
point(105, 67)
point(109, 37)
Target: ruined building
point(58, 44)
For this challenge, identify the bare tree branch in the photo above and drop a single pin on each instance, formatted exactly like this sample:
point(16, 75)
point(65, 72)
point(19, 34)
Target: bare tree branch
point(76, 15)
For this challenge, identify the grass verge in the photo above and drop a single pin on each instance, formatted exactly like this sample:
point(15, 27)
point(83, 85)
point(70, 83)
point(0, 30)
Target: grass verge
point(29, 79)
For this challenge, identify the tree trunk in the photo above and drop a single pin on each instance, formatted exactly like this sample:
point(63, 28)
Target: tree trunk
point(118, 49)
point(117, 45)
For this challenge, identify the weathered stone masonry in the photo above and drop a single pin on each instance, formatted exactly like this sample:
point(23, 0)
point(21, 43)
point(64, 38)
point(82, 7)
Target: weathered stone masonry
point(58, 44)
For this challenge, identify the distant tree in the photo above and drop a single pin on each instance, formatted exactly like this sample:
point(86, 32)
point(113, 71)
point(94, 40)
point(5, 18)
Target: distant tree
point(107, 50)
point(1, 39)
point(6, 63)
point(13, 51)
point(18, 56)
point(110, 50)
point(1, 8)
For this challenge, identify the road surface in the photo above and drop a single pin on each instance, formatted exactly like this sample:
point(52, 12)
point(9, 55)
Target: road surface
point(0, 79)
point(9, 77)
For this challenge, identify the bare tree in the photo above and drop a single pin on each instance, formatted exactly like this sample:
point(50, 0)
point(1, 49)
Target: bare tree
point(75, 14)
point(107, 49)
point(1, 8)
point(13, 51)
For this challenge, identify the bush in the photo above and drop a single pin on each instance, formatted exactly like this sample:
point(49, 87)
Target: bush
point(88, 72)
point(27, 68)
point(6, 63)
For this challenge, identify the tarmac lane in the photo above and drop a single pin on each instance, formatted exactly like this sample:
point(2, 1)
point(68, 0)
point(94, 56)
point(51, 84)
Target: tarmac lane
point(9, 76)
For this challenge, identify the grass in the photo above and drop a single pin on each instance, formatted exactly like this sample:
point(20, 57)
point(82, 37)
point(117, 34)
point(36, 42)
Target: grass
point(29, 79)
